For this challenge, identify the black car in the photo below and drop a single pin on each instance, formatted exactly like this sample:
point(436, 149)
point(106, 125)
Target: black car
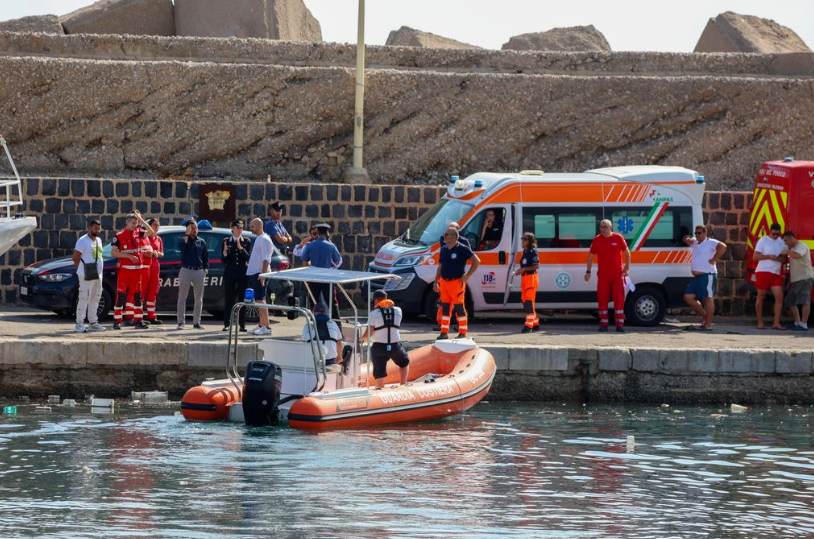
point(52, 285)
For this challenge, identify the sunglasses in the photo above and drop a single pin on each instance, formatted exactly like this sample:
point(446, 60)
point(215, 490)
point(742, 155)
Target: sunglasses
point(774, 234)
point(699, 232)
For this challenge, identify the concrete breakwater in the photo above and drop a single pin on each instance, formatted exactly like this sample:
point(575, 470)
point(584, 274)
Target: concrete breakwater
point(114, 368)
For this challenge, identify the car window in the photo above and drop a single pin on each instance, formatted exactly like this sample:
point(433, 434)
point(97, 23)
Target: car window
point(213, 242)
point(171, 251)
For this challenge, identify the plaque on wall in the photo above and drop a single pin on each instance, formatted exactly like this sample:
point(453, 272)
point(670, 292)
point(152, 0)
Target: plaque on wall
point(218, 203)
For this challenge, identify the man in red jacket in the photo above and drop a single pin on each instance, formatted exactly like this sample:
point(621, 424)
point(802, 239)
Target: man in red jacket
point(128, 247)
point(610, 246)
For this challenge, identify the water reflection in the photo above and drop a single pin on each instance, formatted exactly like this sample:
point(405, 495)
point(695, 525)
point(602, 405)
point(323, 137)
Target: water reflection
point(503, 470)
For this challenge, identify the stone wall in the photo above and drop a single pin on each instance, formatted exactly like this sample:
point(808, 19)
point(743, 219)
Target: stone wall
point(78, 107)
point(364, 218)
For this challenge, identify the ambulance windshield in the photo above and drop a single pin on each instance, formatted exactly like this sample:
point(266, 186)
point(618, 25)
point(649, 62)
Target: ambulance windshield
point(429, 228)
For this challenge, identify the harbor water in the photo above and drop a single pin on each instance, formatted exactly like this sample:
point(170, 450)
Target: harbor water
point(499, 471)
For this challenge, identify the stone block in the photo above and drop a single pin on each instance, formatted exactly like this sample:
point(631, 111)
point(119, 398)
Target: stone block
point(645, 360)
point(703, 360)
point(732, 361)
point(45, 24)
point(134, 17)
point(789, 362)
point(614, 359)
point(289, 20)
point(501, 355)
point(576, 38)
point(733, 32)
point(410, 37)
point(165, 353)
point(764, 361)
point(208, 355)
point(118, 353)
point(674, 360)
point(538, 359)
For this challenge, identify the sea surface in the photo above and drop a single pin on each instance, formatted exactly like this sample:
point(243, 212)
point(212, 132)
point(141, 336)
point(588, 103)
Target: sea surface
point(499, 471)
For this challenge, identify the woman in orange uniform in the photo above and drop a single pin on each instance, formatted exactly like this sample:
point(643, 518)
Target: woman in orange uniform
point(529, 262)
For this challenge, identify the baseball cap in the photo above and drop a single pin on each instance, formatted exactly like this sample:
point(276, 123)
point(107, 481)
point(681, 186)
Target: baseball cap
point(189, 221)
point(379, 294)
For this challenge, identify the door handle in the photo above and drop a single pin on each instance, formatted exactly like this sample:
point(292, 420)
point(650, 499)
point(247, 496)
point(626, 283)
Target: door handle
point(501, 258)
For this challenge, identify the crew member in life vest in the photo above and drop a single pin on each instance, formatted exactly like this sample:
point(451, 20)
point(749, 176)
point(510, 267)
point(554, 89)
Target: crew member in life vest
point(529, 262)
point(328, 333)
point(385, 320)
point(450, 281)
point(610, 246)
point(127, 247)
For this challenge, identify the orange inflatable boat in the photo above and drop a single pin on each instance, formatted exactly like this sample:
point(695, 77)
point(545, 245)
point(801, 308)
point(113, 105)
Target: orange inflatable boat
point(292, 384)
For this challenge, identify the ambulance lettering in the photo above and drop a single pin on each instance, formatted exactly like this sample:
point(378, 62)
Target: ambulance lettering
point(489, 279)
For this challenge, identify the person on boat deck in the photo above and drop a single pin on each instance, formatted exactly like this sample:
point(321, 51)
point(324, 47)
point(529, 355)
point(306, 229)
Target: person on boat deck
point(384, 321)
point(328, 333)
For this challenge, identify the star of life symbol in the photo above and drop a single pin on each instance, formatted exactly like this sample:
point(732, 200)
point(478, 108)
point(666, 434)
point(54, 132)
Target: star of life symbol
point(625, 225)
point(562, 280)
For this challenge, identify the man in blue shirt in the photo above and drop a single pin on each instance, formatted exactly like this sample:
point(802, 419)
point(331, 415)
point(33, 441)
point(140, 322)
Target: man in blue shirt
point(450, 281)
point(321, 253)
point(194, 269)
point(275, 229)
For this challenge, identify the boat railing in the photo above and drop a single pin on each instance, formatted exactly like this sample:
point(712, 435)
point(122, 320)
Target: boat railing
point(233, 350)
point(8, 199)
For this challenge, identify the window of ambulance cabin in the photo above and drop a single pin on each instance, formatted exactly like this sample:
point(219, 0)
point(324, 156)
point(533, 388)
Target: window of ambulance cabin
point(482, 237)
point(562, 228)
point(668, 232)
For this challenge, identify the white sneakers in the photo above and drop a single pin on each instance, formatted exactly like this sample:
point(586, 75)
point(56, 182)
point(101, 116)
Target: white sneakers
point(96, 326)
point(80, 328)
point(259, 330)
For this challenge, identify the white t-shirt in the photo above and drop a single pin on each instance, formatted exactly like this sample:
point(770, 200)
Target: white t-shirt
point(376, 320)
point(702, 253)
point(91, 251)
point(261, 250)
point(768, 246)
point(800, 269)
point(329, 347)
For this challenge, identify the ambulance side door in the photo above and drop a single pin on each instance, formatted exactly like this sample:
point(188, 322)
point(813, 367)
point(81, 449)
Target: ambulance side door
point(487, 286)
point(564, 235)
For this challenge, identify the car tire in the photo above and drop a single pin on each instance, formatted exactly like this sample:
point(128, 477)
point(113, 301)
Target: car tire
point(105, 305)
point(645, 307)
point(429, 306)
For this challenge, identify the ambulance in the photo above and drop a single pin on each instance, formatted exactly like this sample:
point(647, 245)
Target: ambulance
point(783, 194)
point(653, 207)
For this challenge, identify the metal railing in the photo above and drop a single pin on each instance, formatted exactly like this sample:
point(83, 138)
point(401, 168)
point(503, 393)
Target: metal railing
point(7, 199)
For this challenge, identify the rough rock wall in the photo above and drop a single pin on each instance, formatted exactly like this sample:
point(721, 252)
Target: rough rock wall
point(48, 24)
point(266, 19)
point(110, 117)
point(732, 32)
point(137, 17)
point(410, 37)
point(575, 38)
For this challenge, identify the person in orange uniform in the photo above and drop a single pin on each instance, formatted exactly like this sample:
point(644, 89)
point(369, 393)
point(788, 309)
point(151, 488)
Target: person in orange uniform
point(529, 282)
point(450, 281)
point(127, 247)
point(153, 283)
point(610, 246)
point(463, 240)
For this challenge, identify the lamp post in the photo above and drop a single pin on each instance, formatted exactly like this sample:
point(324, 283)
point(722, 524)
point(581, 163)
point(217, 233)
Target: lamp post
point(357, 173)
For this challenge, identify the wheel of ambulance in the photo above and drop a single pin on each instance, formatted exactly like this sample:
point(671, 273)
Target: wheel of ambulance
point(645, 307)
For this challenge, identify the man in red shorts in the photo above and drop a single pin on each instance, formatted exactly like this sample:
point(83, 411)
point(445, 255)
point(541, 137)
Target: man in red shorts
point(610, 247)
point(769, 258)
point(127, 247)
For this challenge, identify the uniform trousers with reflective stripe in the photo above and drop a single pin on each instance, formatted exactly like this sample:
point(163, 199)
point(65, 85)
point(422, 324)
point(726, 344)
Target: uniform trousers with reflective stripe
point(607, 288)
point(452, 292)
point(195, 278)
point(127, 286)
point(529, 283)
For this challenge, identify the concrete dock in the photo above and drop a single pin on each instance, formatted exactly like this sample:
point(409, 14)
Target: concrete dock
point(568, 360)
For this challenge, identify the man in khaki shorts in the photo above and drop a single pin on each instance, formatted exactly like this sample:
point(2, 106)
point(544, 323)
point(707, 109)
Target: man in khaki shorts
point(800, 282)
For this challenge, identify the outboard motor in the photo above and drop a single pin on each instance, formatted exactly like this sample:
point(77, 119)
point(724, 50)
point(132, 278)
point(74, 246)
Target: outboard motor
point(261, 393)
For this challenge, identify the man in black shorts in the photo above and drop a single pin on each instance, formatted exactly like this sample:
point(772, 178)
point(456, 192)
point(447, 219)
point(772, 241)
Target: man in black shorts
point(385, 320)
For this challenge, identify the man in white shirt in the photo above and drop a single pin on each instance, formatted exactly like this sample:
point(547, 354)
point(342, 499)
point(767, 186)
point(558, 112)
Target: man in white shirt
point(259, 263)
point(384, 321)
point(801, 280)
point(700, 291)
point(327, 333)
point(769, 257)
point(88, 251)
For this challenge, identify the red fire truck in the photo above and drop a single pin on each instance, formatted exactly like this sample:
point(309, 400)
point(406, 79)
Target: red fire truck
point(784, 194)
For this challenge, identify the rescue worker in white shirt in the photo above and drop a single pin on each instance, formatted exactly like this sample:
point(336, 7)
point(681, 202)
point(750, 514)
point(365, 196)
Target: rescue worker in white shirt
point(384, 321)
point(328, 334)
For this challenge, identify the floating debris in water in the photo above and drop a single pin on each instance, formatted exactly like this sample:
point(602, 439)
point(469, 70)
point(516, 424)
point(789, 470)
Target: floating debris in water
point(42, 408)
point(70, 403)
point(665, 406)
point(53, 399)
point(631, 444)
point(9, 410)
point(737, 408)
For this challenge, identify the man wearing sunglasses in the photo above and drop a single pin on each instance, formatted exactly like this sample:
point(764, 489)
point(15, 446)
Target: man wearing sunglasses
point(699, 293)
point(769, 258)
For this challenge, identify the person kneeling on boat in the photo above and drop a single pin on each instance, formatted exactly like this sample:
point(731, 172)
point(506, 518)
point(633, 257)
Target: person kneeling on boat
point(385, 320)
point(328, 333)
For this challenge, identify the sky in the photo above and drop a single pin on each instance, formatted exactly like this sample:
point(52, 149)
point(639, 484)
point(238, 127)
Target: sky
point(628, 25)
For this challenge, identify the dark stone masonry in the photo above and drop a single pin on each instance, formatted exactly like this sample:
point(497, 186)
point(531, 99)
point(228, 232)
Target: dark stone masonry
point(364, 218)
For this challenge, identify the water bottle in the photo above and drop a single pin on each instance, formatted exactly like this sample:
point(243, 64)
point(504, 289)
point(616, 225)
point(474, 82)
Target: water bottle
point(249, 297)
point(9, 410)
